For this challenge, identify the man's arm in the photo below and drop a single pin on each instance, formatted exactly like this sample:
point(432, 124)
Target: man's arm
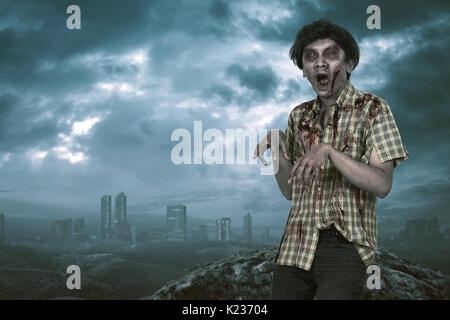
point(283, 163)
point(284, 168)
point(376, 177)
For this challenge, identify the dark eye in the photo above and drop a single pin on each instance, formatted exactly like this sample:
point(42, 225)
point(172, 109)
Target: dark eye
point(332, 53)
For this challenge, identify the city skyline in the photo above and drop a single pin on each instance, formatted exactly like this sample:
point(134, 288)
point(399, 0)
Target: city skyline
point(415, 232)
point(65, 231)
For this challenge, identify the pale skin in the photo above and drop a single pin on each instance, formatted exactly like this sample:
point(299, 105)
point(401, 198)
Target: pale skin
point(325, 56)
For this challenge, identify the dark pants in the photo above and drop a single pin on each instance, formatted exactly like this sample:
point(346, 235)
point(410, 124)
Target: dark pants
point(337, 272)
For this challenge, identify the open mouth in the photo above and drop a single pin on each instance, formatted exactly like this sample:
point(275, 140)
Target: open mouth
point(322, 79)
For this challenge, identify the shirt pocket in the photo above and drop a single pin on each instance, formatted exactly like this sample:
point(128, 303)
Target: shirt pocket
point(353, 144)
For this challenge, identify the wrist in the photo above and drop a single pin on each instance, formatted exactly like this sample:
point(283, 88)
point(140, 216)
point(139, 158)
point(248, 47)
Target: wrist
point(330, 151)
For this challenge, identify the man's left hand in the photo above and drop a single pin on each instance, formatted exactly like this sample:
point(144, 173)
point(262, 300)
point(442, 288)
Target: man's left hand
point(313, 160)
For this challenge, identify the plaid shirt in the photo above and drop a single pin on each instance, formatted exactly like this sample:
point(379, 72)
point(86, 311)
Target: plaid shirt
point(358, 121)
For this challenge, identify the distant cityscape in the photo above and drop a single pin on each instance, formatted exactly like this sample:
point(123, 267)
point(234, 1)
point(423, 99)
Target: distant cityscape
point(419, 233)
point(115, 227)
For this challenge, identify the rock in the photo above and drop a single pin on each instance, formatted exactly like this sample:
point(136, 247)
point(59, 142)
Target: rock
point(248, 276)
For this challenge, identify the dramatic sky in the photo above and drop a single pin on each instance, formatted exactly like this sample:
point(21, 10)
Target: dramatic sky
point(90, 112)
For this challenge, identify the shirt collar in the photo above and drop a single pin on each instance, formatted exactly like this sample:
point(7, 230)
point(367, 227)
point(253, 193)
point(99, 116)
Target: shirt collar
point(343, 101)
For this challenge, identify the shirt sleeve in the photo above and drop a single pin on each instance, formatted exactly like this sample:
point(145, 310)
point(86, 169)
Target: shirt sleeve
point(383, 134)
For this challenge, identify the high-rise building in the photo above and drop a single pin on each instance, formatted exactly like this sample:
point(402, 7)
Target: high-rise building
point(62, 231)
point(123, 231)
point(122, 228)
point(176, 222)
point(422, 232)
point(223, 229)
point(133, 235)
point(415, 232)
point(248, 228)
point(266, 235)
point(120, 209)
point(433, 225)
point(105, 217)
point(79, 229)
point(2, 228)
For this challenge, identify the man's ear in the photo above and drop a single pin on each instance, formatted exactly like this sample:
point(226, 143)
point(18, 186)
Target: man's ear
point(350, 66)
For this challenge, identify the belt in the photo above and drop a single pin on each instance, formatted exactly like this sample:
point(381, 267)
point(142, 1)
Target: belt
point(333, 231)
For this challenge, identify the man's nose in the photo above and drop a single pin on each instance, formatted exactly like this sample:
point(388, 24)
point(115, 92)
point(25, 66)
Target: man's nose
point(321, 62)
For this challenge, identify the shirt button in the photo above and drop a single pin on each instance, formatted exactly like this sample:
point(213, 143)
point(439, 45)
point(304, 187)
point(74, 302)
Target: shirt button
point(318, 189)
point(317, 211)
point(314, 235)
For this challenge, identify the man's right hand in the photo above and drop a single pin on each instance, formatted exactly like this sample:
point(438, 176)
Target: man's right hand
point(265, 144)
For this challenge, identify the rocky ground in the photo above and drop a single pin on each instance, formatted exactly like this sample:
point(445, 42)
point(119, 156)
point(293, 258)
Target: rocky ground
point(236, 273)
point(248, 275)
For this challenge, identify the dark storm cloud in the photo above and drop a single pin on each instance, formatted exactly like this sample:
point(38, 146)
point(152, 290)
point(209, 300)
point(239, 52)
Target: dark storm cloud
point(220, 10)
point(225, 93)
point(108, 26)
point(262, 81)
point(422, 110)
point(119, 70)
point(19, 127)
point(23, 50)
point(395, 15)
point(292, 90)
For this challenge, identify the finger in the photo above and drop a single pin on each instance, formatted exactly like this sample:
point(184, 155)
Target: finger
point(261, 147)
point(259, 152)
point(299, 175)
point(284, 149)
point(317, 174)
point(307, 174)
point(255, 153)
point(262, 159)
point(291, 174)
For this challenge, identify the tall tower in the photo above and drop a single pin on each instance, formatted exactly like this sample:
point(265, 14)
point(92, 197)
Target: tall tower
point(248, 228)
point(120, 209)
point(266, 235)
point(2, 228)
point(62, 231)
point(122, 227)
point(105, 217)
point(223, 229)
point(176, 222)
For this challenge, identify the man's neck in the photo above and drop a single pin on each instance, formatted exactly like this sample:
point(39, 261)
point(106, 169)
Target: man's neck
point(326, 102)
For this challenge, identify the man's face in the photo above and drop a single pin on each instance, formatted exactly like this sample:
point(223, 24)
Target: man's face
point(325, 68)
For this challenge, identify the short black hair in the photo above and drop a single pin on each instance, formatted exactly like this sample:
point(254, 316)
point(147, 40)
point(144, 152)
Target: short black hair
point(324, 29)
